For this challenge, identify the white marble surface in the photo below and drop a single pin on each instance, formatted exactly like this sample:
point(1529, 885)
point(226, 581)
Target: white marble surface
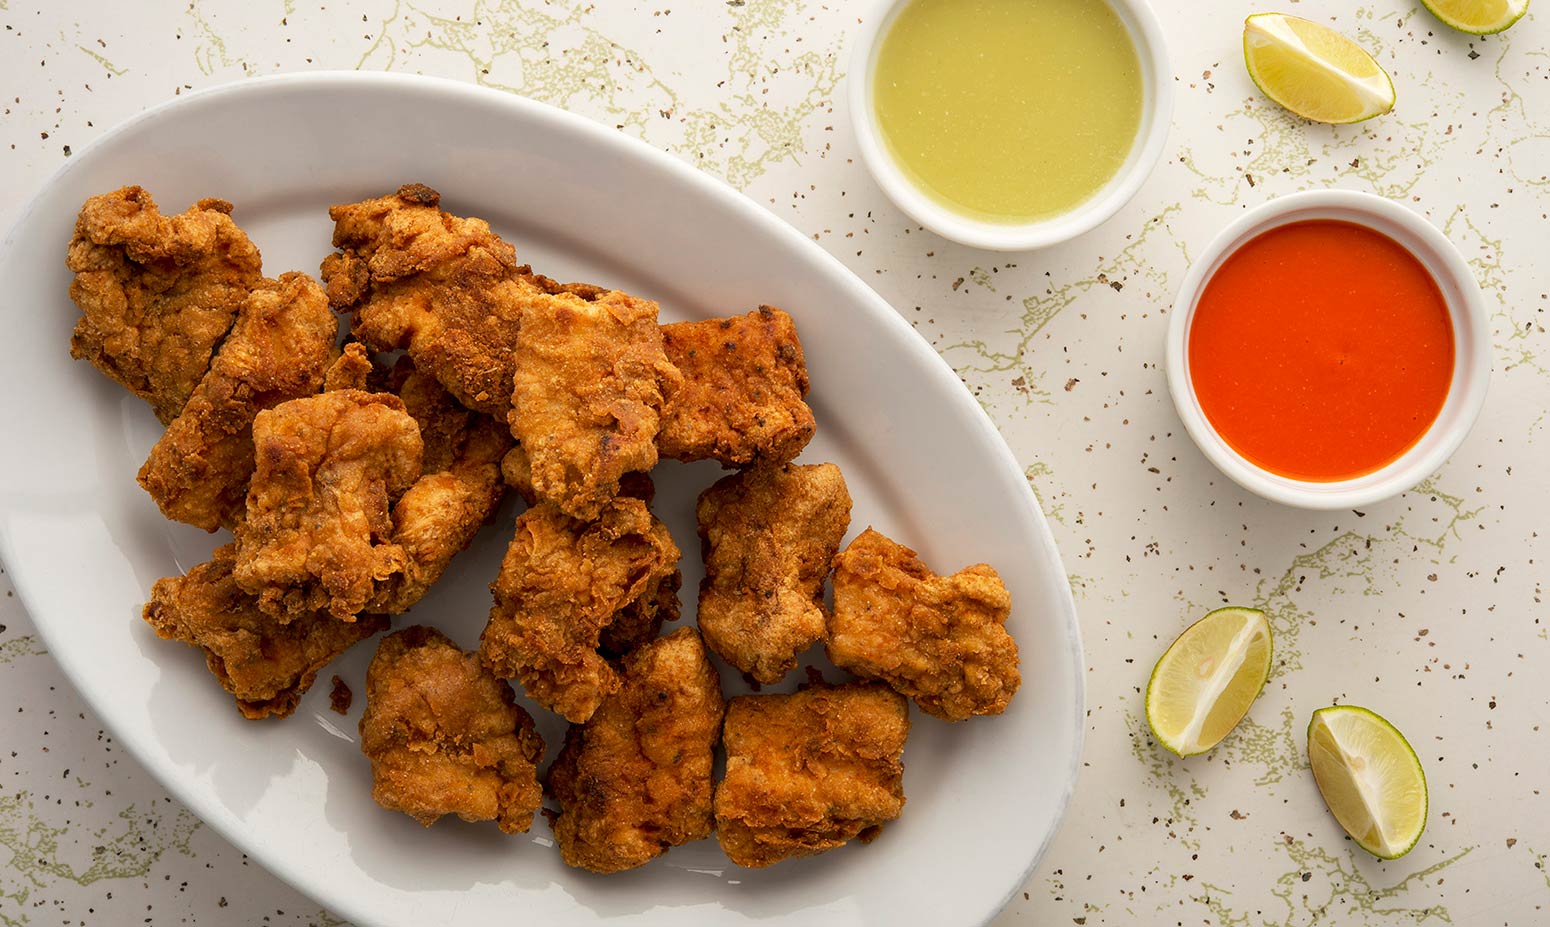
point(1427, 608)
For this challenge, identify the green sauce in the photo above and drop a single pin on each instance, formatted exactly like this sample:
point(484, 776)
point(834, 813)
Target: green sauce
point(1008, 110)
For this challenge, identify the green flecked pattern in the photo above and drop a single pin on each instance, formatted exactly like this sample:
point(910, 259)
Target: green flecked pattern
point(1429, 608)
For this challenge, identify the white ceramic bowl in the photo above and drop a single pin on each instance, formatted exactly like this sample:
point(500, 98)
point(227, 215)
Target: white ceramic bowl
point(1471, 348)
point(1156, 113)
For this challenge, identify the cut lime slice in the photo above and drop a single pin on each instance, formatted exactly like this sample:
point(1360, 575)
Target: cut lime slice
point(1313, 70)
point(1369, 777)
point(1478, 17)
point(1206, 680)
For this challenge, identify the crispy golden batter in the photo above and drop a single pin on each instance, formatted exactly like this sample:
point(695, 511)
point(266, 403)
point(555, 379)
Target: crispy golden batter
point(339, 696)
point(444, 736)
point(158, 292)
point(265, 664)
point(591, 381)
point(445, 288)
point(351, 370)
point(586, 291)
point(940, 640)
point(635, 780)
point(769, 535)
point(808, 772)
point(461, 487)
point(278, 349)
point(742, 397)
point(561, 583)
point(318, 526)
point(517, 472)
point(446, 426)
point(641, 621)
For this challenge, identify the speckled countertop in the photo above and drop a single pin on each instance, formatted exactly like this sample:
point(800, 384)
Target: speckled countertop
point(1427, 608)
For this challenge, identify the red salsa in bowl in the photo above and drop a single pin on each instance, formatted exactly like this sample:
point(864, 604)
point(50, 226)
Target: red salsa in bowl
point(1321, 350)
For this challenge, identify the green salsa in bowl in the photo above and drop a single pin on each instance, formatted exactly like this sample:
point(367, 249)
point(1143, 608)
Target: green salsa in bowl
point(1011, 124)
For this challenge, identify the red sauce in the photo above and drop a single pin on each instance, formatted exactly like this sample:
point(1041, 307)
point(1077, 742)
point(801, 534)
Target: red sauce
point(1321, 350)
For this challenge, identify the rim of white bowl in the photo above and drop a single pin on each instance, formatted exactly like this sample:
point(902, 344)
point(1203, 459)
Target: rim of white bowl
point(1471, 348)
point(1156, 116)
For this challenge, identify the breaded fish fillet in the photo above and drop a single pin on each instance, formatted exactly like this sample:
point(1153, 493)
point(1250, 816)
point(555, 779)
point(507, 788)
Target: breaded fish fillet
point(635, 779)
point(769, 534)
point(445, 288)
point(265, 664)
point(278, 350)
point(742, 399)
point(157, 293)
point(318, 531)
point(590, 384)
point(811, 771)
point(561, 583)
point(444, 736)
point(941, 640)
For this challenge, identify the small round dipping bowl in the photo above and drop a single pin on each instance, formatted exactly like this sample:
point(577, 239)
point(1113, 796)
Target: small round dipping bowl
point(1145, 150)
point(1471, 349)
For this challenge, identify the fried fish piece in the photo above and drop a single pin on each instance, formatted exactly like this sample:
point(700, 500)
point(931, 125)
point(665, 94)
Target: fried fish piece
point(810, 771)
point(265, 664)
point(340, 696)
point(318, 526)
point(517, 473)
point(444, 736)
point(641, 621)
point(635, 780)
point(445, 288)
point(157, 293)
point(456, 495)
point(745, 379)
point(446, 426)
point(586, 291)
point(278, 350)
point(561, 583)
point(769, 534)
point(941, 640)
point(590, 384)
point(352, 369)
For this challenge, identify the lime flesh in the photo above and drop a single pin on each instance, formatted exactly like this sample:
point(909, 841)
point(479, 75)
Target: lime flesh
point(1313, 70)
point(1205, 681)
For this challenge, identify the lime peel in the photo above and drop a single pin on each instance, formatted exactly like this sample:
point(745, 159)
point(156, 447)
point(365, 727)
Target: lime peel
point(1478, 17)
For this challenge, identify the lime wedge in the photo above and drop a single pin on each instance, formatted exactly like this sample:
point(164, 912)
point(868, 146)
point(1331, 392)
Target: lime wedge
point(1369, 777)
point(1480, 17)
point(1313, 70)
point(1206, 680)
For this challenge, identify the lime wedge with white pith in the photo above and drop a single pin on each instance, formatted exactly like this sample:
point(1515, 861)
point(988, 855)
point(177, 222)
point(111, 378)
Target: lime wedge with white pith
point(1369, 777)
point(1479, 17)
point(1313, 70)
point(1206, 680)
